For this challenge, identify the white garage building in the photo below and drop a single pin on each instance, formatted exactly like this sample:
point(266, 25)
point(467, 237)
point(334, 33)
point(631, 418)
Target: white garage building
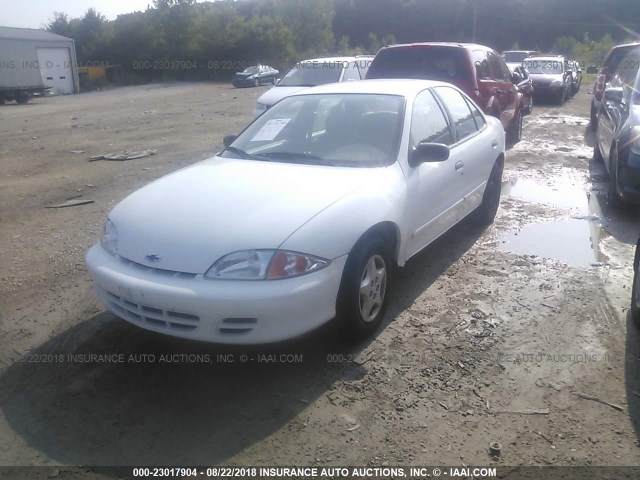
point(30, 57)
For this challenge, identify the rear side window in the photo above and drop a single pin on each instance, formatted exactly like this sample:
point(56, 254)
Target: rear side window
point(481, 64)
point(428, 122)
point(463, 121)
point(363, 65)
point(499, 68)
point(430, 63)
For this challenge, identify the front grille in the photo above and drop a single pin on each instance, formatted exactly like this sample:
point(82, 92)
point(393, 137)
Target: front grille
point(157, 271)
point(148, 315)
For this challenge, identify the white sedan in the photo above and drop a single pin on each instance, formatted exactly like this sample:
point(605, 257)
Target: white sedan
point(304, 216)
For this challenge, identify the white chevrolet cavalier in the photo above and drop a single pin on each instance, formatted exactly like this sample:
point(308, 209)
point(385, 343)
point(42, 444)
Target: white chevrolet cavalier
point(304, 216)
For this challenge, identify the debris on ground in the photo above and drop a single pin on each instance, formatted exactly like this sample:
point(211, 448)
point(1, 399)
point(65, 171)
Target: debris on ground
point(124, 155)
point(72, 202)
point(584, 396)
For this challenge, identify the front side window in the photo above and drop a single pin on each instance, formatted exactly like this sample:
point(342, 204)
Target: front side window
point(500, 70)
point(463, 121)
point(428, 122)
point(353, 130)
point(481, 63)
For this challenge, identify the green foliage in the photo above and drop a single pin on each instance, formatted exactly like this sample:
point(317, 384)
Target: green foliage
point(185, 39)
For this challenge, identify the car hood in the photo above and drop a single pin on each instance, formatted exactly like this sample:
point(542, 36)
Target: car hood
point(276, 94)
point(191, 218)
point(245, 75)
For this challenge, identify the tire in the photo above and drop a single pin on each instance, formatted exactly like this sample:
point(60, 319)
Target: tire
point(486, 212)
point(612, 190)
point(22, 99)
point(593, 120)
point(514, 135)
point(597, 154)
point(635, 290)
point(364, 290)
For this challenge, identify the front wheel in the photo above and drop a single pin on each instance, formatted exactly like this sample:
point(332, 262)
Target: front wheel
point(364, 290)
point(22, 99)
point(486, 212)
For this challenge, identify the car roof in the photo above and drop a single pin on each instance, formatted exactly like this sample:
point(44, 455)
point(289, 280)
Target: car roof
point(408, 88)
point(440, 44)
point(554, 57)
point(332, 59)
point(520, 51)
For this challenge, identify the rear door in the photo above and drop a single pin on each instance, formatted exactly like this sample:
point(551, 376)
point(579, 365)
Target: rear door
point(474, 151)
point(506, 92)
point(56, 69)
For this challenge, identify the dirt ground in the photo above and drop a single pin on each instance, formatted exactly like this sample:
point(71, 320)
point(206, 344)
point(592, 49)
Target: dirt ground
point(491, 335)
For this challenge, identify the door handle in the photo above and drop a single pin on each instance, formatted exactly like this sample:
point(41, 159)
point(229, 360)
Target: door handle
point(459, 166)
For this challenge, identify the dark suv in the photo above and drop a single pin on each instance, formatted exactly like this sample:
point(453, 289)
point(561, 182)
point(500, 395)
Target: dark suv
point(617, 138)
point(608, 68)
point(477, 70)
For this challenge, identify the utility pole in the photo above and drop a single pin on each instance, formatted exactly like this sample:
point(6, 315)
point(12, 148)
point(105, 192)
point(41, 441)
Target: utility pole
point(475, 19)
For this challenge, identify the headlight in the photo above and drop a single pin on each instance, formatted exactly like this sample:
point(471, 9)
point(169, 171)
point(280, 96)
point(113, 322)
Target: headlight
point(264, 265)
point(109, 239)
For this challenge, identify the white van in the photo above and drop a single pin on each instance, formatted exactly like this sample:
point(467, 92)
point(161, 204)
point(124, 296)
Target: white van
point(313, 72)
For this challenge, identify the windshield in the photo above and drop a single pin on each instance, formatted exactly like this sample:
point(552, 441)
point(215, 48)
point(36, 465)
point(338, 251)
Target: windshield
point(514, 57)
point(354, 130)
point(251, 70)
point(312, 73)
point(429, 63)
point(544, 66)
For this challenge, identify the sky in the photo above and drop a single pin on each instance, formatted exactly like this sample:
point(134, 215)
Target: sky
point(36, 13)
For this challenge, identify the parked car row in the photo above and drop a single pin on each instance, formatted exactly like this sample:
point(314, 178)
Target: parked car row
point(338, 183)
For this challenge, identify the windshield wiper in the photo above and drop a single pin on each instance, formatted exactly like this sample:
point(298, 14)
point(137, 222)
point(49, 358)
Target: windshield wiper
point(292, 157)
point(240, 152)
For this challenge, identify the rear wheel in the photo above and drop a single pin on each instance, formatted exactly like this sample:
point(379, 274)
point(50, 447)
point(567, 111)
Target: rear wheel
point(597, 154)
point(514, 135)
point(486, 212)
point(635, 291)
point(612, 192)
point(364, 289)
point(22, 98)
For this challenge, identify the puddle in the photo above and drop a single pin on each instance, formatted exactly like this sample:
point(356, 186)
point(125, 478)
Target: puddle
point(576, 240)
point(564, 189)
point(572, 241)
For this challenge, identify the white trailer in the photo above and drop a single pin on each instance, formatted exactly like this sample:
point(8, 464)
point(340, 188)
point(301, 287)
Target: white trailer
point(34, 61)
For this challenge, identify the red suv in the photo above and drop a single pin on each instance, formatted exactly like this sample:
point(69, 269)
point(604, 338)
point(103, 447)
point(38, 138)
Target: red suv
point(477, 70)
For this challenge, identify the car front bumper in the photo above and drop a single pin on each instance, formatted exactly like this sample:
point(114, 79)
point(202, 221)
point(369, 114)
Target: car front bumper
point(219, 311)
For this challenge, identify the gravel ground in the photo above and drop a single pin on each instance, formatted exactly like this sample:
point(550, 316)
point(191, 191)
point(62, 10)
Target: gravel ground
point(497, 335)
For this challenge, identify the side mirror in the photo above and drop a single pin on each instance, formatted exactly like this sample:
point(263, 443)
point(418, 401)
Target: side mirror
point(228, 140)
point(516, 78)
point(426, 152)
point(613, 94)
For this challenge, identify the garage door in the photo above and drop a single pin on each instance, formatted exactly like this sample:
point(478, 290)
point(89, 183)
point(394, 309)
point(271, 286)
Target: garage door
point(56, 69)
